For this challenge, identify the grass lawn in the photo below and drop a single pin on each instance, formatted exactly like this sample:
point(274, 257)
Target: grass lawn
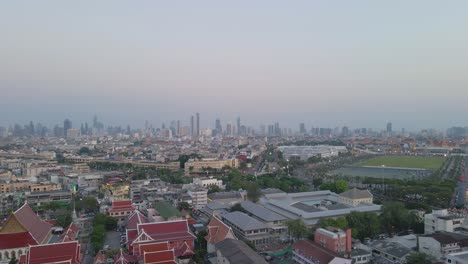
point(166, 210)
point(420, 162)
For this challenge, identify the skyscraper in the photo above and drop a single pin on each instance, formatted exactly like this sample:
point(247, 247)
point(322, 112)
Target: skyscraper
point(302, 129)
point(192, 126)
point(238, 126)
point(198, 125)
point(67, 124)
point(218, 127)
point(178, 127)
point(389, 127)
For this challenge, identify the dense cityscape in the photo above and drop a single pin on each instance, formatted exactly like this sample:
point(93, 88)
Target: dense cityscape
point(233, 132)
point(188, 194)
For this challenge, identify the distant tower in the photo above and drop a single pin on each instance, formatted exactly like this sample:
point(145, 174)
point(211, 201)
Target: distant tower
point(178, 127)
point(67, 124)
point(192, 126)
point(302, 129)
point(198, 125)
point(389, 127)
point(218, 127)
point(238, 126)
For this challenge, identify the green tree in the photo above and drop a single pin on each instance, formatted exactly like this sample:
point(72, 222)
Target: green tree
point(13, 260)
point(418, 258)
point(253, 192)
point(111, 223)
point(64, 219)
point(200, 247)
point(337, 186)
point(339, 222)
point(363, 224)
point(90, 204)
point(297, 229)
point(237, 207)
point(84, 151)
point(213, 189)
point(183, 206)
point(395, 217)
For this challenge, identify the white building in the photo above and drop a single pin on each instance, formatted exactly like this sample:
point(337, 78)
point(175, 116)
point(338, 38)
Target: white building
point(457, 258)
point(199, 197)
point(438, 245)
point(441, 220)
point(310, 207)
point(207, 182)
point(355, 197)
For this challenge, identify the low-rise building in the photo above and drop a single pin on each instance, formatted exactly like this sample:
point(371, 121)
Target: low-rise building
point(308, 252)
point(39, 198)
point(208, 182)
point(439, 245)
point(441, 221)
point(199, 197)
point(198, 166)
point(457, 258)
point(389, 252)
point(274, 220)
point(231, 251)
point(310, 207)
point(217, 232)
point(121, 210)
point(333, 239)
point(354, 197)
point(248, 228)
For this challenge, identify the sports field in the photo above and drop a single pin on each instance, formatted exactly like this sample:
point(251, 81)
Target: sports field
point(420, 162)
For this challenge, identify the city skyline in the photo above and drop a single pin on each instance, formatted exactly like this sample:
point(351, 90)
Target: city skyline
point(325, 64)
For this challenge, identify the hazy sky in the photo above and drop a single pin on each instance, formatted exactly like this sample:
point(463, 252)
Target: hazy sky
point(325, 63)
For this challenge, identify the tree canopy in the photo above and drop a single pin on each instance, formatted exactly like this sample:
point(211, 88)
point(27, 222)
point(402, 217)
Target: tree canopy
point(418, 258)
point(297, 229)
point(337, 186)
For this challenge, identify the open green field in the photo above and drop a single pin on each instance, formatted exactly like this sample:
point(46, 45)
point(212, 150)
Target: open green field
point(420, 162)
point(166, 210)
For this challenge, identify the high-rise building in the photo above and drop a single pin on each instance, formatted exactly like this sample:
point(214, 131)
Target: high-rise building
point(218, 127)
point(239, 132)
point(192, 126)
point(178, 127)
point(345, 131)
point(228, 129)
point(67, 124)
point(302, 129)
point(198, 125)
point(389, 127)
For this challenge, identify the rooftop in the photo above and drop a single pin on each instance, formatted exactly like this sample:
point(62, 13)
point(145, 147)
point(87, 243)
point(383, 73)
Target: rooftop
point(237, 251)
point(262, 212)
point(244, 222)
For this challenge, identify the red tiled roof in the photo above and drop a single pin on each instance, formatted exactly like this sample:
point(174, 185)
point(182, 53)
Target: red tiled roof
point(100, 258)
point(167, 231)
point(153, 247)
point(218, 231)
point(136, 218)
point(125, 205)
point(123, 258)
point(39, 229)
point(131, 235)
point(311, 250)
point(70, 234)
point(68, 252)
point(184, 250)
point(159, 257)
point(16, 240)
point(172, 231)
